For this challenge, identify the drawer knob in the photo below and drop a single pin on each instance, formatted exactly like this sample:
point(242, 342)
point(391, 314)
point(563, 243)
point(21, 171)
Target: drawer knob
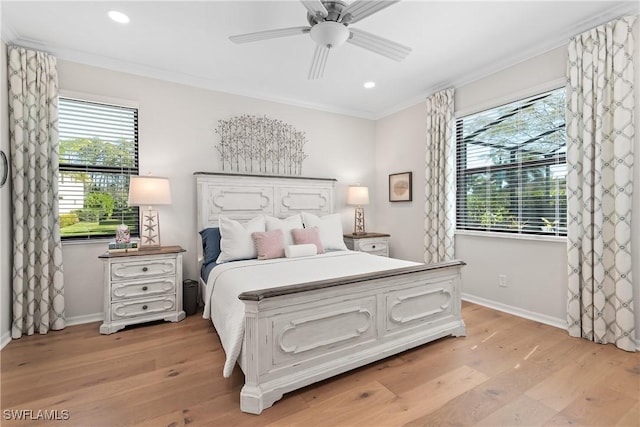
point(145, 269)
point(374, 246)
point(144, 307)
point(144, 288)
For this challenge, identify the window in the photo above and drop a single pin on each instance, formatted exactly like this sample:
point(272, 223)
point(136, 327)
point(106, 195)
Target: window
point(98, 153)
point(511, 167)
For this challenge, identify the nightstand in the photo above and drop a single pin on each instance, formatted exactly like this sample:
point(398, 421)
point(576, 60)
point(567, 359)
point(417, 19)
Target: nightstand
point(142, 286)
point(372, 243)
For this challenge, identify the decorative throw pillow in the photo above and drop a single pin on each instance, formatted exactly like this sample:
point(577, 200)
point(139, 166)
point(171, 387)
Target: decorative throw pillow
point(330, 228)
point(210, 244)
point(269, 244)
point(296, 251)
point(236, 242)
point(303, 236)
point(286, 225)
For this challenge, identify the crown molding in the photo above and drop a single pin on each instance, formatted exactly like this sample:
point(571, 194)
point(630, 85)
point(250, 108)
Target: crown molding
point(551, 43)
point(7, 33)
point(142, 70)
point(10, 36)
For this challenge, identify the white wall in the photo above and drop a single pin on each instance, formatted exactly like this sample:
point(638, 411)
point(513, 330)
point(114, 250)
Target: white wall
point(5, 210)
point(535, 269)
point(177, 138)
point(400, 148)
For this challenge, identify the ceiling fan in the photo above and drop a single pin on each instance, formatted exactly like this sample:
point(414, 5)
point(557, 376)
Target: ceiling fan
point(329, 22)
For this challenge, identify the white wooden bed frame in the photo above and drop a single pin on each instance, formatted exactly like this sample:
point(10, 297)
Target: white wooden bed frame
point(297, 335)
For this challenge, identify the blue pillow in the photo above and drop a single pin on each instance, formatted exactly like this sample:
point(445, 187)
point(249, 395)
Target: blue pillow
point(210, 244)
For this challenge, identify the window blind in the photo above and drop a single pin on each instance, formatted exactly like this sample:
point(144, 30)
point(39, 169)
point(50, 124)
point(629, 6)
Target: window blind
point(511, 167)
point(98, 153)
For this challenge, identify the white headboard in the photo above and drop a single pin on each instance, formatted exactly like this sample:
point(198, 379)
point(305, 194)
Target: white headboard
point(242, 197)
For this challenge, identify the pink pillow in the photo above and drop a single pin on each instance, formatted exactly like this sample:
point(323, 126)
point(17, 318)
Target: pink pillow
point(302, 236)
point(269, 244)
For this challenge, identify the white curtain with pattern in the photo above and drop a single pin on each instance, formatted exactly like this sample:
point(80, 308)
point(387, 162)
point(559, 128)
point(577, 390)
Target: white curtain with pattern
point(600, 144)
point(38, 287)
point(440, 175)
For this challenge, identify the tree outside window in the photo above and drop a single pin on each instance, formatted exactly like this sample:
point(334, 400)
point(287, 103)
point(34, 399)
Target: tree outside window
point(98, 153)
point(511, 167)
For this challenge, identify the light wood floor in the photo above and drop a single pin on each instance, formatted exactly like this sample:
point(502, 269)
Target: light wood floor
point(508, 371)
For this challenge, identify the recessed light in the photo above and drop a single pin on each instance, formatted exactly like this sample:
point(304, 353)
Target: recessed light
point(369, 85)
point(118, 17)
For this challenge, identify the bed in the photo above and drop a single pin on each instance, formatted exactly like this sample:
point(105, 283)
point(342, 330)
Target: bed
point(292, 321)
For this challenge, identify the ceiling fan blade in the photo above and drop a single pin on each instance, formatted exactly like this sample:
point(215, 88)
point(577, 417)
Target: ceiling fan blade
point(360, 9)
point(318, 62)
point(315, 7)
point(379, 45)
point(269, 34)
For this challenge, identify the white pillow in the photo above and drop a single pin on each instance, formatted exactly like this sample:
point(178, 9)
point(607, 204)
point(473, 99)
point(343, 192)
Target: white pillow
point(330, 228)
point(296, 251)
point(286, 225)
point(235, 239)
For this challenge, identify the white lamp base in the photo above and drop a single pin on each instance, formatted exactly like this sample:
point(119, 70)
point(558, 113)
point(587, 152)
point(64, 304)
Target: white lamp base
point(150, 228)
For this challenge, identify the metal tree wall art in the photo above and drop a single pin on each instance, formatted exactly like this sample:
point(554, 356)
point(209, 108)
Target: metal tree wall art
point(259, 144)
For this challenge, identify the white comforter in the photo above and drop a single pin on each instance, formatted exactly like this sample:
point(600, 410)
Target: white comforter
point(229, 280)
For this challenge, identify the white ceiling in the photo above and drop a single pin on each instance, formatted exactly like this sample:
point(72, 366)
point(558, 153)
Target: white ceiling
point(453, 42)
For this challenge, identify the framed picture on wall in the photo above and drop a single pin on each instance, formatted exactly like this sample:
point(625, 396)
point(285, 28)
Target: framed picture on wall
point(400, 187)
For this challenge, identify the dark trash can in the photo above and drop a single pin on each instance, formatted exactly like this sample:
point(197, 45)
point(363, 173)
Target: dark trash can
point(190, 296)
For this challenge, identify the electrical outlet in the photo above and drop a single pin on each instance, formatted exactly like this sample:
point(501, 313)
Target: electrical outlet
point(502, 280)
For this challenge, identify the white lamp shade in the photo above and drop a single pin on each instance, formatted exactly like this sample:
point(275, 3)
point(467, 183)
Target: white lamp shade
point(357, 195)
point(149, 190)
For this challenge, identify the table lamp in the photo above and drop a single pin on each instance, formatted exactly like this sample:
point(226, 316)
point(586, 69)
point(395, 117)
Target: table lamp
point(148, 191)
point(358, 195)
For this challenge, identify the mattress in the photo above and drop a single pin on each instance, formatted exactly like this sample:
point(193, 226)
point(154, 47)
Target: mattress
point(227, 281)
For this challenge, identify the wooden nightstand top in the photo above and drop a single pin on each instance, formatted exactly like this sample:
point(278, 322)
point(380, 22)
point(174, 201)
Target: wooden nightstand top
point(155, 250)
point(365, 235)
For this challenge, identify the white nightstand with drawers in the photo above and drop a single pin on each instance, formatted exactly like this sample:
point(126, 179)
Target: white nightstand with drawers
point(372, 243)
point(142, 286)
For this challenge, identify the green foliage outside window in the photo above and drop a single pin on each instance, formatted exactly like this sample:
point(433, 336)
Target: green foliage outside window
point(98, 153)
point(512, 166)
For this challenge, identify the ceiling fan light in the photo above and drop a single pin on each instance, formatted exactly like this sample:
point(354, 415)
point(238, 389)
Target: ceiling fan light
point(329, 34)
point(119, 17)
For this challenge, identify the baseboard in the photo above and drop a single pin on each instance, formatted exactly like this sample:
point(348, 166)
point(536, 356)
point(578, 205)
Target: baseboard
point(5, 339)
point(87, 318)
point(516, 311)
point(69, 321)
point(537, 317)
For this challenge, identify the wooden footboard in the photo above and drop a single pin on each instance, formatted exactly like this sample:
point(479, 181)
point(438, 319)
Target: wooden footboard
point(301, 334)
